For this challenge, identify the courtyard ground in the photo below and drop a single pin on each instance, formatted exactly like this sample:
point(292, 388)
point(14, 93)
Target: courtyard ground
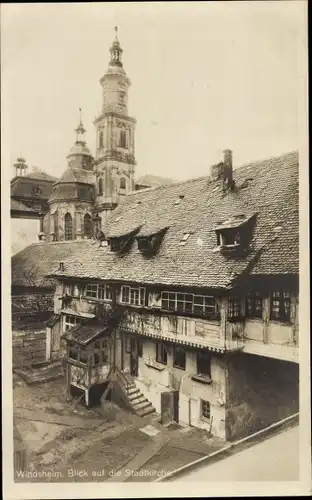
point(63, 441)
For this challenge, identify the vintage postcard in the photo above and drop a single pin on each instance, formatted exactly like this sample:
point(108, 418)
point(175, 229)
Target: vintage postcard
point(155, 249)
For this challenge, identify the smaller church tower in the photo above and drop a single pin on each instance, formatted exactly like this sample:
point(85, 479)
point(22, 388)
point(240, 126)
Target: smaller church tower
point(71, 201)
point(114, 163)
point(80, 156)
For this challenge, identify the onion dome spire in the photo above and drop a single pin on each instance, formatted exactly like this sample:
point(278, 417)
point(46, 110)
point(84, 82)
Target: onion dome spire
point(116, 51)
point(80, 130)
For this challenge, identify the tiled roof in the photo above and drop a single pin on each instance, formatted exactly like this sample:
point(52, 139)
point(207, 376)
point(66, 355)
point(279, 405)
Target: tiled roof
point(77, 175)
point(282, 255)
point(40, 175)
point(85, 333)
point(65, 187)
point(52, 320)
point(268, 188)
point(18, 206)
point(30, 266)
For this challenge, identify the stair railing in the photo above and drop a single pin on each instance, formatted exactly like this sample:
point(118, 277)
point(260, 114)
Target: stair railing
point(122, 378)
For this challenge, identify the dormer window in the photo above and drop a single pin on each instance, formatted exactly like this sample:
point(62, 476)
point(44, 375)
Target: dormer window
point(144, 244)
point(149, 243)
point(235, 233)
point(121, 242)
point(115, 244)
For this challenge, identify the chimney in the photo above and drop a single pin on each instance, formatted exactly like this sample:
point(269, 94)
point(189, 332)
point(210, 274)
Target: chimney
point(61, 266)
point(35, 169)
point(228, 168)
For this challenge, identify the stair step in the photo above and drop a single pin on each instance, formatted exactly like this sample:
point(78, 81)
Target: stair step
point(136, 398)
point(140, 405)
point(132, 390)
point(145, 411)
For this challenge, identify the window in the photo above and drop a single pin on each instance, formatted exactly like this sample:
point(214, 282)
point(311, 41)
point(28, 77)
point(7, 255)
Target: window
point(100, 186)
point(68, 227)
point(144, 243)
point(100, 352)
point(234, 307)
point(280, 306)
point(74, 353)
point(83, 358)
point(203, 363)
point(122, 98)
point(123, 183)
point(202, 305)
point(87, 226)
point(205, 409)
point(134, 296)
point(101, 139)
point(115, 244)
point(179, 357)
point(71, 321)
point(161, 353)
point(230, 237)
point(254, 305)
point(98, 291)
point(123, 139)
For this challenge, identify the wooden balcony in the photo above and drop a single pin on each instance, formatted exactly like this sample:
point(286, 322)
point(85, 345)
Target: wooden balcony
point(189, 331)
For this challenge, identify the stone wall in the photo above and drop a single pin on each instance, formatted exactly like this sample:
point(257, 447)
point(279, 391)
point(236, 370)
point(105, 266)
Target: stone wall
point(28, 348)
point(26, 305)
point(260, 391)
point(155, 379)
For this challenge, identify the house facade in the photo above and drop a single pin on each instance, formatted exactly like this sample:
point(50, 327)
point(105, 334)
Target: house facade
point(30, 192)
point(189, 306)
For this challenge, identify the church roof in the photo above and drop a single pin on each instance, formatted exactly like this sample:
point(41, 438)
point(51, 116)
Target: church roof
point(65, 188)
point(267, 188)
point(41, 175)
point(80, 148)
point(76, 175)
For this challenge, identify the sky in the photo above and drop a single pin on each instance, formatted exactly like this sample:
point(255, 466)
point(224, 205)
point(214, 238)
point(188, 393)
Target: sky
point(205, 76)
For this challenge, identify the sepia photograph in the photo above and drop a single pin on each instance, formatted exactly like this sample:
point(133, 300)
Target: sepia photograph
point(155, 249)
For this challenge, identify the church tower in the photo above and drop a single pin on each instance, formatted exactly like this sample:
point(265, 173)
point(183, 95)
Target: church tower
point(114, 163)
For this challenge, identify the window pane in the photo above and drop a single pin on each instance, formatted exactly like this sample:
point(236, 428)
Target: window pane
point(198, 300)
point(188, 306)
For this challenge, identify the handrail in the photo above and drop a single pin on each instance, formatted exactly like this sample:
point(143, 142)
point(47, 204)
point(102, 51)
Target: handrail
point(122, 377)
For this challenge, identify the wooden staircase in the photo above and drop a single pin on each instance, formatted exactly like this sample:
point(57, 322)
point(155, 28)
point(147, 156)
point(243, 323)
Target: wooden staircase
point(125, 392)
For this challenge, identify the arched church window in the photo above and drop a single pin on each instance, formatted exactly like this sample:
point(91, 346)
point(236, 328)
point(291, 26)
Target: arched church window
point(101, 139)
point(123, 139)
point(122, 97)
point(123, 183)
point(68, 227)
point(87, 226)
point(100, 186)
